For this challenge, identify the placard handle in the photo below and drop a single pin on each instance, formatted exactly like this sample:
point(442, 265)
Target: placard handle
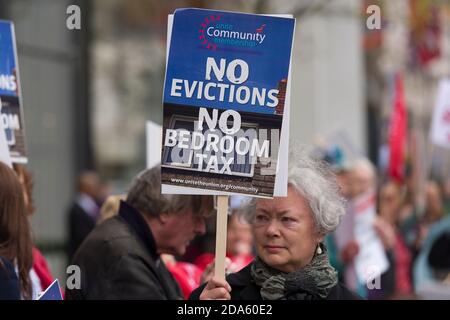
point(221, 237)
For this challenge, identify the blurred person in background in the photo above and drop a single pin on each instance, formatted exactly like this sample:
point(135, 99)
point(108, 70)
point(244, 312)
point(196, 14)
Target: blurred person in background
point(408, 217)
point(110, 207)
point(439, 261)
point(121, 258)
point(336, 158)
point(434, 209)
point(446, 188)
point(239, 246)
point(292, 261)
point(396, 283)
point(359, 179)
point(40, 274)
point(84, 211)
point(433, 212)
point(433, 224)
point(239, 242)
point(187, 275)
point(16, 245)
point(337, 259)
point(362, 177)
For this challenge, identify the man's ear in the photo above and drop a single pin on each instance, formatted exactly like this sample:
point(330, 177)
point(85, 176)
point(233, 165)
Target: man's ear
point(164, 217)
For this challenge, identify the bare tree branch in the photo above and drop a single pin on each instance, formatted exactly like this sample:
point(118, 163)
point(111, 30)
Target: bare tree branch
point(312, 7)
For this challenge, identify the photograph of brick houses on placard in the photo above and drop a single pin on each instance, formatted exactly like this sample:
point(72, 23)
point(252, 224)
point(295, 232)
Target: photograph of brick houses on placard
point(245, 176)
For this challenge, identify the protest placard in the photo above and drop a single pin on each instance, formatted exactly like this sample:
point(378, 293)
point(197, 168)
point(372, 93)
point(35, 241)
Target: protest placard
point(440, 127)
point(53, 292)
point(10, 94)
point(153, 138)
point(4, 150)
point(225, 100)
point(226, 108)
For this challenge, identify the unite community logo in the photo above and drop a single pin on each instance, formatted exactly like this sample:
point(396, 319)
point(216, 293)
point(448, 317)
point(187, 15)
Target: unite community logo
point(213, 32)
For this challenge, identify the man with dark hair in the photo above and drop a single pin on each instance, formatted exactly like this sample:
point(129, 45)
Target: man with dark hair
point(84, 210)
point(120, 259)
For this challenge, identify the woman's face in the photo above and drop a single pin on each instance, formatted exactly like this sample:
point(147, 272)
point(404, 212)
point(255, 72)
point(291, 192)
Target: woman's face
point(239, 237)
point(434, 203)
point(390, 202)
point(284, 232)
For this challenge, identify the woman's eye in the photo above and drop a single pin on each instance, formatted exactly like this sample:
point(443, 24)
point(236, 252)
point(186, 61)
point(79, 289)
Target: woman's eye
point(288, 219)
point(261, 218)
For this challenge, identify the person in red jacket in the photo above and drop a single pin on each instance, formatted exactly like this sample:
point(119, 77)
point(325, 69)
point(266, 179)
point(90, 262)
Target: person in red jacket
point(187, 275)
point(239, 254)
point(239, 247)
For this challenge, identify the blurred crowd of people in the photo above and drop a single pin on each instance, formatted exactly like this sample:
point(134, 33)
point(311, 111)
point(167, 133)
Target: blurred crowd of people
point(148, 245)
point(408, 232)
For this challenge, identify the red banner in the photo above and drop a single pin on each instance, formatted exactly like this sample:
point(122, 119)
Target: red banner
point(397, 134)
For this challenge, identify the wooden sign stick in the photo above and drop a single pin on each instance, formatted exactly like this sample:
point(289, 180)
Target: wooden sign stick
point(221, 237)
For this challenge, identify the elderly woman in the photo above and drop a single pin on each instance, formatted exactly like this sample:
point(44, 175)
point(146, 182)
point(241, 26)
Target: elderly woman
point(292, 262)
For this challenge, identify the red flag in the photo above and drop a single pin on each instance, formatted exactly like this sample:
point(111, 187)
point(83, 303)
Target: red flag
point(397, 133)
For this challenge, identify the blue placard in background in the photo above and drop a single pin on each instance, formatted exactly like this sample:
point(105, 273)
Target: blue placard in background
point(10, 94)
point(8, 70)
point(53, 292)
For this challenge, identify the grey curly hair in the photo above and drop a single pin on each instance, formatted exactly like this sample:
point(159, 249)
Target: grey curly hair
point(313, 180)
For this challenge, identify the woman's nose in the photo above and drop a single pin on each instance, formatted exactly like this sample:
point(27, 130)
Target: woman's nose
point(272, 228)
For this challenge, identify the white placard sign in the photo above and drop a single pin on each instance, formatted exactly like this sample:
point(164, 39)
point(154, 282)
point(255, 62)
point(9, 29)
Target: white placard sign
point(4, 149)
point(153, 133)
point(440, 127)
point(371, 260)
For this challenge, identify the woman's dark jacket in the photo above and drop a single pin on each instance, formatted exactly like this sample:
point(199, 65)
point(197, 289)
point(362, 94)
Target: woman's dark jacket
point(243, 288)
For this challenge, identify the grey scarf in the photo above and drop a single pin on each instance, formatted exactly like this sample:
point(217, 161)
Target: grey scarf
point(314, 281)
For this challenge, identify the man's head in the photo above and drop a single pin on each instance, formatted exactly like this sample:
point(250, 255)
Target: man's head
point(343, 179)
point(174, 219)
point(89, 183)
point(363, 177)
